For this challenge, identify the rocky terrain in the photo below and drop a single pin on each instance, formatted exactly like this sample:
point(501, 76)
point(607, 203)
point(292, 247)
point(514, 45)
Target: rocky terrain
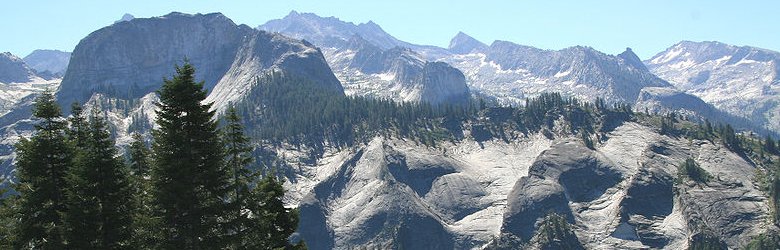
point(740, 80)
point(624, 194)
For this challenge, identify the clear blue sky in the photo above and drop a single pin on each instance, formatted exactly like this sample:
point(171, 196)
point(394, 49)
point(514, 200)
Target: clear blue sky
point(610, 26)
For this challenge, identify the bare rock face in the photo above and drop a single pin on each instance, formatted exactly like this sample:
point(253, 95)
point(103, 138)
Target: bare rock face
point(378, 191)
point(129, 59)
point(13, 69)
point(567, 172)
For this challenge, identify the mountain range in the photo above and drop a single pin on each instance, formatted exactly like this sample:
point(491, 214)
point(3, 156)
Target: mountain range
point(465, 194)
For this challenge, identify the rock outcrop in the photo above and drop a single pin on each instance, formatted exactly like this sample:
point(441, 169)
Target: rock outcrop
point(129, 59)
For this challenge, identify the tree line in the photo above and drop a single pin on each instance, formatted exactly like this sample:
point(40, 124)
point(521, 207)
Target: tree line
point(192, 189)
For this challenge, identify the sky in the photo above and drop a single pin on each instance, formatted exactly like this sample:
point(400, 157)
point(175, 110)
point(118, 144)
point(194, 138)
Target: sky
point(648, 27)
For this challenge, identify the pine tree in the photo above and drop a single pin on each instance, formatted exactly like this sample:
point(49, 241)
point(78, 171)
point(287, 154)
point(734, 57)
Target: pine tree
point(99, 195)
point(139, 156)
point(7, 214)
point(189, 178)
point(144, 222)
point(42, 163)
point(79, 130)
point(238, 158)
point(274, 220)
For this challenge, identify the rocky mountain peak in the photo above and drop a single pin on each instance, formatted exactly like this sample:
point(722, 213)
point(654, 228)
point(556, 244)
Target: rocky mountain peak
point(464, 44)
point(632, 59)
point(13, 69)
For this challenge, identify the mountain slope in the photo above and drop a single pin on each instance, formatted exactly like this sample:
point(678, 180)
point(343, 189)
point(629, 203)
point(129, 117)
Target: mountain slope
point(53, 61)
point(741, 80)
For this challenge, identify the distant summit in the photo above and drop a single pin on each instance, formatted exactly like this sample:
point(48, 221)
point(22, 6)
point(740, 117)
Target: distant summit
point(126, 17)
point(464, 44)
point(52, 61)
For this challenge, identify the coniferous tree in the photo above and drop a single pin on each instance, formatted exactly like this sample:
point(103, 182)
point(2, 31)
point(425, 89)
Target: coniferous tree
point(7, 215)
point(42, 163)
point(237, 150)
point(189, 178)
point(79, 129)
point(274, 220)
point(139, 156)
point(144, 222)
point(99, 196)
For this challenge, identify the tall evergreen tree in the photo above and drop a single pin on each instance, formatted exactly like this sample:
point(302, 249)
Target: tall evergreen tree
point(79, 129)
point(99, 196)
point(237, 150)
point(139, 156)
point(42, 163)
point(144, 222)
point(275, 221)
point(190, 180)
point(7, 215)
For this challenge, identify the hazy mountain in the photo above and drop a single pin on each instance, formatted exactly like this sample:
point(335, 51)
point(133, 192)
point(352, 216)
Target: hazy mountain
point(13, 69)
point(741, 80)
point(465, 44)
point(332, 32)
point(53, 61)
point(370, 62)
point(512, 72)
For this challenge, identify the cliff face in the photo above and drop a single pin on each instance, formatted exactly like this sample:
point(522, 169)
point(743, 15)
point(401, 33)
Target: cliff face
point(129, 59)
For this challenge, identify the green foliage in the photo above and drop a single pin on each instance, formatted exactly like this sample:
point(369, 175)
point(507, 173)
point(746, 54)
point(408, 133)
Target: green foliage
point(689, 169)
point(7, 215)
point(42, 163)
point(99, 195)
point(189, 176)
point(555, 233)
point(139, 156)
point(273, 222)
point(300, 112)
point(258, 219)
point(768, 240)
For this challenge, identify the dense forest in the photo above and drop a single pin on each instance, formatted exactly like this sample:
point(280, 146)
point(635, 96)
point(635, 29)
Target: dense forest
point(206, 182)
point(192, 189)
